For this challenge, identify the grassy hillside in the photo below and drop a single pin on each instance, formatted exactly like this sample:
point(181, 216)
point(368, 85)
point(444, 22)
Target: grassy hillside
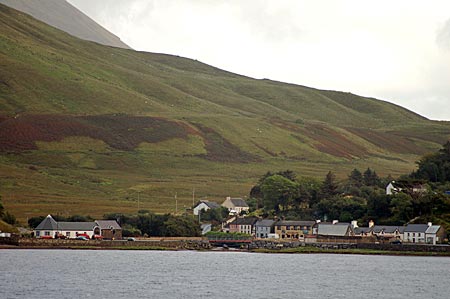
point(85, 128)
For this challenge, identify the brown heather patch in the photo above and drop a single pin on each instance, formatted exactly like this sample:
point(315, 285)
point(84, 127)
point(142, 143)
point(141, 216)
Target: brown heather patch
point(221, 150)
point(325, 139)
point(332, 142)
point(390, 141)
point(118, 131)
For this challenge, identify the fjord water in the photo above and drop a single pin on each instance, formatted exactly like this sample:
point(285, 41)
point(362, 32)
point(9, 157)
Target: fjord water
point(183, 274)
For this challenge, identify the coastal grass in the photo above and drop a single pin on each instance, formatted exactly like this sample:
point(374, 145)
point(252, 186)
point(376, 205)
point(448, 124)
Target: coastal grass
point(315, 250)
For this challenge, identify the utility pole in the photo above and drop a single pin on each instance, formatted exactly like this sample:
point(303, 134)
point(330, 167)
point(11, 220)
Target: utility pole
point(176, 204)
point(139, 200)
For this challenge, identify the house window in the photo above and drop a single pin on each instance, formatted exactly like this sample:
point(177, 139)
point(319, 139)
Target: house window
point(38, 233)
point(68, 234)
point(47, 233)
point(414, 234)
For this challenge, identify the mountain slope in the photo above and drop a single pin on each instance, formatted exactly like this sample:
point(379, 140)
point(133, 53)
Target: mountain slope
point(62, 15)
point(85, 128)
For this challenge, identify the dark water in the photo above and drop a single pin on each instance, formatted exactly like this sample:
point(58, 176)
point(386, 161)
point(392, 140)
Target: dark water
point(153, 274)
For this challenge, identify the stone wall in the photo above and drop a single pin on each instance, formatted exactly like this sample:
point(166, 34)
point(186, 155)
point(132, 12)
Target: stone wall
point(68, 243)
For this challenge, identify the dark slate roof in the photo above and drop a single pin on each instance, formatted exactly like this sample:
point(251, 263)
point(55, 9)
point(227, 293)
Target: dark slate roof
point(296, 223)
point(362, 230)
point(211, 204)
point(265, 223)
point(239, 202)
point(47, 224)
point(107, 224)
point(77, 226)
point(245, 221)
point(416, 228)
point(385, 228)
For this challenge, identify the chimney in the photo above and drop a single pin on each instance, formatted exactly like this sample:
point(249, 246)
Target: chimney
point(318, 221)
point(430, 224)
point(228, 197)
point(354, 223)
point(371, 223)
point(335, 221)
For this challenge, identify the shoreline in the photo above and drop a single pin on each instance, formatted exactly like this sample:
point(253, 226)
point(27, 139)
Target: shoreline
point(297, 250)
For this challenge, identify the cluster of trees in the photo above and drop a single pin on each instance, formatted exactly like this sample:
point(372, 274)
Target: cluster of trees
point(361, 196)
point(150, 224)
point(435, 167)
point(6, 216)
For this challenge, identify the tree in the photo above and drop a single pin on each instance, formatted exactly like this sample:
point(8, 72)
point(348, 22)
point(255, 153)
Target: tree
point(2, 209)
point(9, 218)
point(278, 192)
point(329, 186)
point(33, 222)
point(435, 167)
point(402, 208)
point(355, 178)
point(370, 178)
point(181, 227)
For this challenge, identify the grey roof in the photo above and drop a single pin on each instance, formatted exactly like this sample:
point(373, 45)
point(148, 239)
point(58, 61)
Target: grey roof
point(212, 204)
point(362, 230)
point(338, 229)
point(107, 224)
point(296, 223)
point(245, 221)
point(239, 202)
point(47, 224)
point(385, 228)
point(209, 204)
point(416, 228)
point(265, 223)
point(76, 226)
point(433, 229)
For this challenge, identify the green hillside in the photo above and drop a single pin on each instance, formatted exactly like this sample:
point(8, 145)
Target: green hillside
point(86, 128)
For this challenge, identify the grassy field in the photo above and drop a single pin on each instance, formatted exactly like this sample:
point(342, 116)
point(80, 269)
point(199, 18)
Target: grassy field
point(85, 128)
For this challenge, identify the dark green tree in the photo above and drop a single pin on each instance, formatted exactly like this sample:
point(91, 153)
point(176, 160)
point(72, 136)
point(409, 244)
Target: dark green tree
point(435, 167)
point(329, 186)
point(278, 192)
point(181, 227)
point(9, 218)
point(370, 178)
point(2, 209)
point(33, 222)
point(355, 179)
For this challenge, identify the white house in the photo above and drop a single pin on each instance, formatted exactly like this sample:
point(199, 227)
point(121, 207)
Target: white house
point(415, 233)
point(49, 229)
point(204, 205)
point(235, 205)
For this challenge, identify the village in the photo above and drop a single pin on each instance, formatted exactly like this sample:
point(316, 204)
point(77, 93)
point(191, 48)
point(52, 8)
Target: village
point(256, 228)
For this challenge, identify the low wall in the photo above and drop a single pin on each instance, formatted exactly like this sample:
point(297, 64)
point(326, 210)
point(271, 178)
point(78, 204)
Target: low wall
point(405, 247)
point(13, 240)
point(158, 243)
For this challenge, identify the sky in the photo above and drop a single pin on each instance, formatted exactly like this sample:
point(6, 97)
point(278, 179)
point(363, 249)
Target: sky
point(397, 51)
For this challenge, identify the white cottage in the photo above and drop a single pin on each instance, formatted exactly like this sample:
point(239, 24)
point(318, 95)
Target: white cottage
point(49, 228)
point(204, 205)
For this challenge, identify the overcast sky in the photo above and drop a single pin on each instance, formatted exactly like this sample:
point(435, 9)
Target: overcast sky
point(398, 51)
